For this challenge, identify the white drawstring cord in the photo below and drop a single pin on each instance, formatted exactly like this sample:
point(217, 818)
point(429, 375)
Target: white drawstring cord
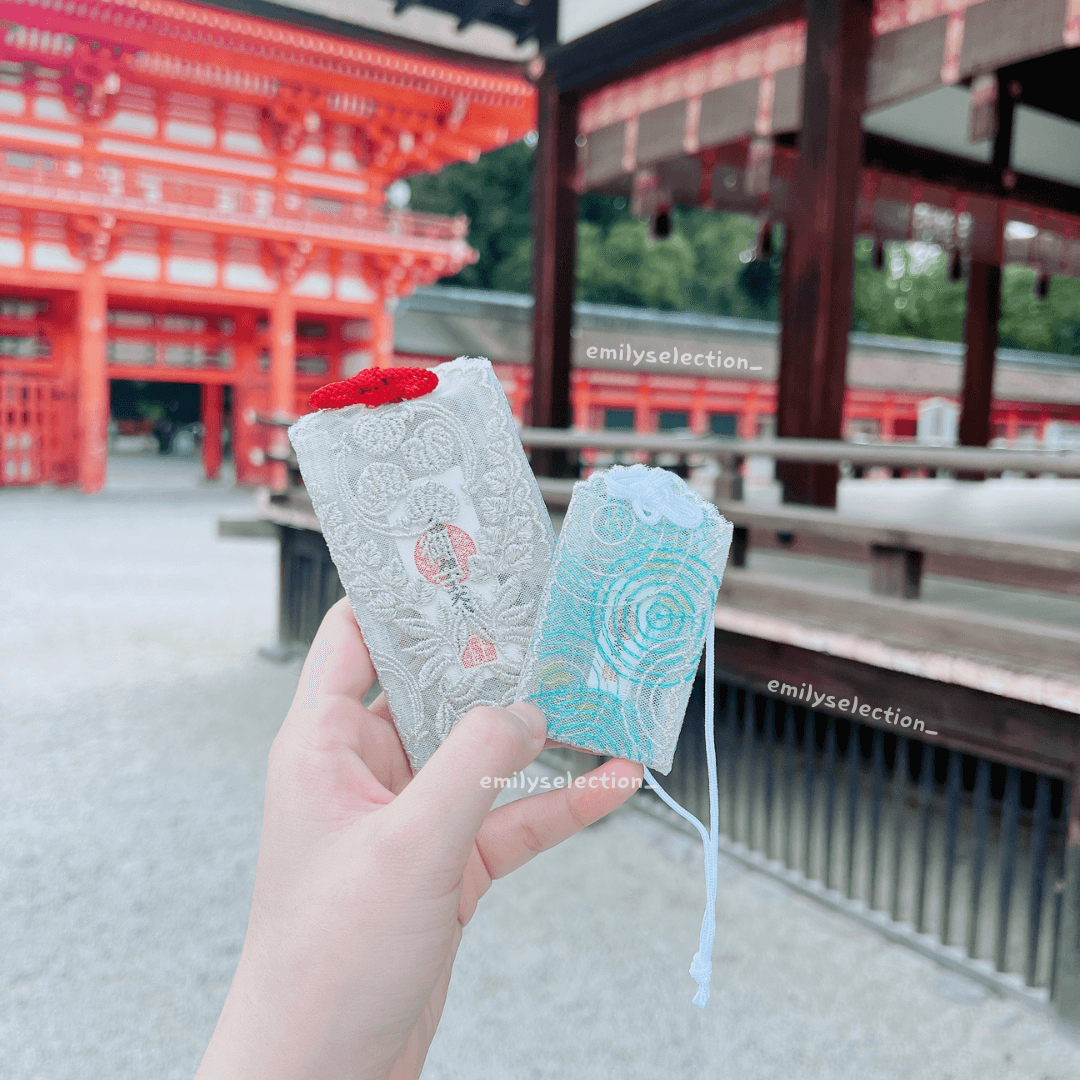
point(701, 966)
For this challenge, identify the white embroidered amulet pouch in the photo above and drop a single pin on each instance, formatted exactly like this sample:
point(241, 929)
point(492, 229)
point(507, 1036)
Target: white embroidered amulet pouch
point(438, 531)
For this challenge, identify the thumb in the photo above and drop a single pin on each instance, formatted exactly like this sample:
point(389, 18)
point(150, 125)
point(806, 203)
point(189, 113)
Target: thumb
point(451, 795)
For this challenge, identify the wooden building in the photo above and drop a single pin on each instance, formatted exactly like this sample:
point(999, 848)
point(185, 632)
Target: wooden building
point(193, 195)
point(941, 120)
point(624, 374)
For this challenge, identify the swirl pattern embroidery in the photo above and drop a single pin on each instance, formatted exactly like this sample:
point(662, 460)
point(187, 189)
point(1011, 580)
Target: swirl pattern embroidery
point(625, 612)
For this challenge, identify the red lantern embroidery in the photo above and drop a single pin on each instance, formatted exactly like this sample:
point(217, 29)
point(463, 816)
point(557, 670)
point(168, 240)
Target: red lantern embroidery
point(375, 386)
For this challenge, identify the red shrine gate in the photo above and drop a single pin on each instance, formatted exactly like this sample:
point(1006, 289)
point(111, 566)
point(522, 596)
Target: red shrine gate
point(188, 195)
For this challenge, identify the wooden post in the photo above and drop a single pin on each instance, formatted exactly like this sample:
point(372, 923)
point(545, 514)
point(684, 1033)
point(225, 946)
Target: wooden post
point(984, 300)
point(896, 571)
point(554, 211)
point(820, 249)
point(213, 417)
point(981, 338)
point(93, 393)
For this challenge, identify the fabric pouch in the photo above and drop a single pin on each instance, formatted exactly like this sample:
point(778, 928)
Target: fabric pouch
point(627, 607)
point(438, 531)
point(625, 613)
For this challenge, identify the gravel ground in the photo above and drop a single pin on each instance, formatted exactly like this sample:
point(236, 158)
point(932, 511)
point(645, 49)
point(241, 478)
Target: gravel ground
point(135, 719)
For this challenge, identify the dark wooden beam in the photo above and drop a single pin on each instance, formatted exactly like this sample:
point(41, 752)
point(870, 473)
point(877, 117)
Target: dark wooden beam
point(969, 177)
point(658, 34)
point(820, 249)
point(971, 721)
point(1047, 82)
point(1006, 114)
point(554, 207)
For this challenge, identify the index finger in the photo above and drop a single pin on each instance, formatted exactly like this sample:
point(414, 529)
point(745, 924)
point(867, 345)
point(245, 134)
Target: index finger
point(338, 662)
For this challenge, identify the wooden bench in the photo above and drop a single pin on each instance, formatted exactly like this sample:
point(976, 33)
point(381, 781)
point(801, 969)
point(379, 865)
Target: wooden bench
point(900, 556)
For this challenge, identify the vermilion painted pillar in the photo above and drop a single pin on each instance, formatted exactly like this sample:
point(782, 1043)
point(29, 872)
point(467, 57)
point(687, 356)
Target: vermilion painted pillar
point(382, 337)
point(283, 355)
point(66, 343)
point(1012, 426)
point(247, 377)
point(642, 401)
point(522, 383)
point(282, 378)
point(93, 384)
point(820, 247)
point(213, 417)
point(582, 400)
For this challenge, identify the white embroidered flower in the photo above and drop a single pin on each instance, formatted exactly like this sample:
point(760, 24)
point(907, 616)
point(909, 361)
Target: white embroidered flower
point(429, 450)
point(381, 434)
point(430, 503)
point(380, 487)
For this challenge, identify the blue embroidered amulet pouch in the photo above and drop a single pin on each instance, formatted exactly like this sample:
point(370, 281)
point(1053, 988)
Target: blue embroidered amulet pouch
point(624, 614)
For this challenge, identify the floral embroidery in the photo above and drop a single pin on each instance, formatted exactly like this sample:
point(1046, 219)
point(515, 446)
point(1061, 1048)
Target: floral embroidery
point(429, 503)
point(381, 433)
point(430, 450)
point(382, 486)
point(441, 540)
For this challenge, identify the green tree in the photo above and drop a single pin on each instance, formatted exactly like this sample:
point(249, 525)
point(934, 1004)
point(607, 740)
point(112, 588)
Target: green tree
point(911, 296)
point(706, 265)
point(727, 281)
point(626, 266)
point(697, 268)
point(1051, 325)
point(494, 194)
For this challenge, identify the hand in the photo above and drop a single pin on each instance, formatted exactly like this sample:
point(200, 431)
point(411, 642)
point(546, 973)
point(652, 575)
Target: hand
point(366, 875)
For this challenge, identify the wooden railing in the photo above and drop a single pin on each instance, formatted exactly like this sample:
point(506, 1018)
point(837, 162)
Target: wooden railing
point(731, 453)
point(898, 555)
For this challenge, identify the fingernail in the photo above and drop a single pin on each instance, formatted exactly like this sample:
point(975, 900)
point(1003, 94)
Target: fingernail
point(531, 717)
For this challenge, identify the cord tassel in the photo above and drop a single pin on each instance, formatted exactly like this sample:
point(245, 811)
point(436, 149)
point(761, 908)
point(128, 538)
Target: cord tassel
point(701, 965)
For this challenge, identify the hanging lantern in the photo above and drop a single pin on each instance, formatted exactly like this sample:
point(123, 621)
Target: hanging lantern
point(956, 266)
point(660, 224)
point(765, 241)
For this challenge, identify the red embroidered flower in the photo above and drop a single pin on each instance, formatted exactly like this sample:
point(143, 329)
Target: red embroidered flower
point(375, 386)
